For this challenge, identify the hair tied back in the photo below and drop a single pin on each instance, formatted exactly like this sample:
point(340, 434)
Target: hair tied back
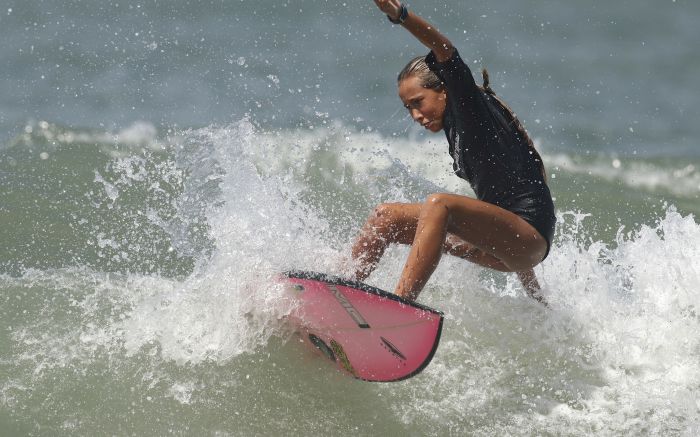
point(487, 82)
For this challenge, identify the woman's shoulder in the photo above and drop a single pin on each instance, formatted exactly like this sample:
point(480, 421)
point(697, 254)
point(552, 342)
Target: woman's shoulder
point(451, 66)
point(454, 73)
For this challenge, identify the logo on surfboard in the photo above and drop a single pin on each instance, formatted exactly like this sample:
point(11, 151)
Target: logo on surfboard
point(351, 310)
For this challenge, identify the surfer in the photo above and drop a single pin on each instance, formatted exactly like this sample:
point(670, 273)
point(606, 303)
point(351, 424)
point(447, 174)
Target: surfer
point(510, 225)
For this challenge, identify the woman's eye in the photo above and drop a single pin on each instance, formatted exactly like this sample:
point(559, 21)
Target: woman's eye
point(413, 104)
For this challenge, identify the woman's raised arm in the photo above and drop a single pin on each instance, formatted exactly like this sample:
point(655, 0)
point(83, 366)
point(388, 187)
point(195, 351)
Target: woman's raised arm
point(421, 29)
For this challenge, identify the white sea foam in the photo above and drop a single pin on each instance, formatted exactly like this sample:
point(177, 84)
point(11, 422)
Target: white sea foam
point(617, 352)
point(231, 306)
point(365, 153)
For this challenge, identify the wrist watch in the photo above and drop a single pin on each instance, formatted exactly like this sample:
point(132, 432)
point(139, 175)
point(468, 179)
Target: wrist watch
point(403, 14)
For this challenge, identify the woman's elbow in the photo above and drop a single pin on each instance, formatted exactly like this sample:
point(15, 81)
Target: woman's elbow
point(443, 51)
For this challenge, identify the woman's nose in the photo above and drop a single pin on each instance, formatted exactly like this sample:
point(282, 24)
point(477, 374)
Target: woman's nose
point(416, 114)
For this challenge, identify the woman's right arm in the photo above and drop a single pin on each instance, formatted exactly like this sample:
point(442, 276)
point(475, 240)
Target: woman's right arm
point(421, 29)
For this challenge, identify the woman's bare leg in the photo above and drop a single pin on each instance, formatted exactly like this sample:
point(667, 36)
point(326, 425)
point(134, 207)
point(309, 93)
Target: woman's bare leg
point(457, 247)
point(489, 228)
point(531, 285)
point(426, 249)
point(389, 223)
point(396, 223)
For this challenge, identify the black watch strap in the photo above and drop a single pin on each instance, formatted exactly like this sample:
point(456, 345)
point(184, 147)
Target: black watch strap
point(403, 14)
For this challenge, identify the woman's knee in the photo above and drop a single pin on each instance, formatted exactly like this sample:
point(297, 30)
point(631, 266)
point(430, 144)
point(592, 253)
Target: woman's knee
point(436, 204)
point(395, 222)
point(386, 218)
point(437, 199)
point(384, 213)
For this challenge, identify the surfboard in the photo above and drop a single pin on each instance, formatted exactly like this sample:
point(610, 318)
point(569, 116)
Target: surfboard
point(368, 333)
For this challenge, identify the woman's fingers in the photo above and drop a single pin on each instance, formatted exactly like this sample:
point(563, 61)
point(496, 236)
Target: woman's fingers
point(390, 7)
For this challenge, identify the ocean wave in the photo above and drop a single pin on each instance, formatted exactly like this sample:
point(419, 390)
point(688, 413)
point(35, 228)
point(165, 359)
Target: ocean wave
point(616, 352)
point(679, 178)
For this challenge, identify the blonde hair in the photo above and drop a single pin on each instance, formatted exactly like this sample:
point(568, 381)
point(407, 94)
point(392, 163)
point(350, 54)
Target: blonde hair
point(428, 79)
point(417, 67)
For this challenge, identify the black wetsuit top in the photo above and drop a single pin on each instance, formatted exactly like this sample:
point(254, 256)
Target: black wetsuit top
point(491, 149)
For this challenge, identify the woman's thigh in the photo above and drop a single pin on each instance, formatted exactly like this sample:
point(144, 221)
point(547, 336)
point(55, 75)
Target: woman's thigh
point(456, 246)
point(493, 230)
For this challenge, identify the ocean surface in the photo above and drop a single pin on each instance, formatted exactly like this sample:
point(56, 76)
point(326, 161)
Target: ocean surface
point(160, 162)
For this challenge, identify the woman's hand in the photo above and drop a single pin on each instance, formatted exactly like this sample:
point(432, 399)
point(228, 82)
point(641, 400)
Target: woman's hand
point(390, 7)
point(421, 29)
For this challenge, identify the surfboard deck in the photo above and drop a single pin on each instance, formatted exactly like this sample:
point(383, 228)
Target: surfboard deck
point(368, 333)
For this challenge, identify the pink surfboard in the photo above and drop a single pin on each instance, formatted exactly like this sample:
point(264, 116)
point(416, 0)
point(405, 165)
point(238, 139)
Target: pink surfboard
point(369, 333)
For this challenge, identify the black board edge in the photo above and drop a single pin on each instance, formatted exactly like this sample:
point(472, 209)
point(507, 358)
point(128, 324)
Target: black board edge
point(427, 360)
point(337, 280)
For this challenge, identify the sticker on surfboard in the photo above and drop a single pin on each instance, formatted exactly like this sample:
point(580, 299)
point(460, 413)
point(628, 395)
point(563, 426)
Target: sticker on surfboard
point(368, 333)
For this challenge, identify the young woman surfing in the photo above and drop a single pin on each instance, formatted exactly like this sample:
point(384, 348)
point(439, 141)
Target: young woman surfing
point(510, 225)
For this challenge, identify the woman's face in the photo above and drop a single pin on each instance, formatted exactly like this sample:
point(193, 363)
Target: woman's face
point(426, 106)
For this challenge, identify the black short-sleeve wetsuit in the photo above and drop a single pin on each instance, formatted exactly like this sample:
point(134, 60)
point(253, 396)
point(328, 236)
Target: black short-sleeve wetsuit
point(491, 149)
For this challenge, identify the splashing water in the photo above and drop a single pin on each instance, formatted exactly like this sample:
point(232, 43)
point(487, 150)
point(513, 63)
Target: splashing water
point(227, 208)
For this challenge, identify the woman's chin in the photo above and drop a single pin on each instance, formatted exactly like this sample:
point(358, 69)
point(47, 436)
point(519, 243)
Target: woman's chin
point(433, 126)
